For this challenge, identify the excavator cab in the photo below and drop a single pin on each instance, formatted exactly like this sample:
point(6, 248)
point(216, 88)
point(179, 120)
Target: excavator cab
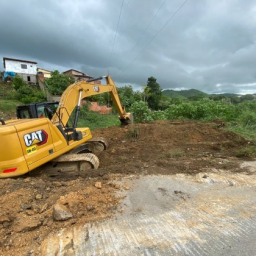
point(37, 110)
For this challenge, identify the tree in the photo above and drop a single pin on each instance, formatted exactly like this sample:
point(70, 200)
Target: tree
point(246, 97)
point(155, 93)
point(145, 93)
point(58, 83)
point(126, 95)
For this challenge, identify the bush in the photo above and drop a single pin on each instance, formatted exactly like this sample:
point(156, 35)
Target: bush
point(201, 110)
point(141, 112)
point(158, 115)
point(24, 93)
point(18, 83)
point(248, 119)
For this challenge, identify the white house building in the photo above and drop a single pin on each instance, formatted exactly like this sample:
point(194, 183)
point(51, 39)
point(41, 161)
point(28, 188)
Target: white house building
point(23, 68)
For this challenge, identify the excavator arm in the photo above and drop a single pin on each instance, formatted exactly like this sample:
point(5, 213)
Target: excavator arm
point(73, 95)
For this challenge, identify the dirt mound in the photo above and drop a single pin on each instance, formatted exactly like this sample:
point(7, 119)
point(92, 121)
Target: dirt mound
point(168, 148)
point(28, 202)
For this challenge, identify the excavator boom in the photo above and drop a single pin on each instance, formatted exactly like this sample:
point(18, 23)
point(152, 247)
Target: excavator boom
point(74, 93)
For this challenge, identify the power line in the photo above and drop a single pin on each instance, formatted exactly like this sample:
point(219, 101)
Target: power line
point(156, 34)
point(145, 29)
point(116, 31)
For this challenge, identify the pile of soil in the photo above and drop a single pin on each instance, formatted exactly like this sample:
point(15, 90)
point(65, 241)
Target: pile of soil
point(169, 147)
point(28, 203)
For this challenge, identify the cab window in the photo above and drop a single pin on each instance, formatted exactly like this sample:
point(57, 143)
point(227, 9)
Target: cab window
point(24, 113)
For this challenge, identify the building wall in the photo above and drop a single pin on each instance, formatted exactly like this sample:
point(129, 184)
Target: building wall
point(28, 78)
point(47, 74)
point(16, 66)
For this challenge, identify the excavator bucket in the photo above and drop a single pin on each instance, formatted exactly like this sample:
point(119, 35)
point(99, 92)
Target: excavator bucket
point(127, 119)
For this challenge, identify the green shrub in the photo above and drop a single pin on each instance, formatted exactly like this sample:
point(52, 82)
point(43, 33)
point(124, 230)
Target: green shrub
point(25, 93)
point(201, 110)
point(158, 115)
point(248, 119)
point(18, 83)
point(141, 112)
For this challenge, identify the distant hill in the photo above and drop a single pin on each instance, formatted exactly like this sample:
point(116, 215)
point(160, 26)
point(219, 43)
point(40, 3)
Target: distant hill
point(183, 94)
point(228, 94)
point(173, 94)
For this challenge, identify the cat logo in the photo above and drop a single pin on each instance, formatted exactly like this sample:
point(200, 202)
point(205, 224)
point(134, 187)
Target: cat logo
point(96, 88)
point(36, 138)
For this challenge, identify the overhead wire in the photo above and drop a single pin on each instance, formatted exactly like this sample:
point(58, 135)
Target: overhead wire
point(116, 34)
point(145, 30)
point(155, 35)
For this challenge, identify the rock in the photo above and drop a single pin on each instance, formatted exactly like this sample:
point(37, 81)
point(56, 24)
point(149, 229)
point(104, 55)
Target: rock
point(126, 187)
point(98, 185)
point(43, 208)
point(28, 223)
point(4, 218)
point(30, 212)
point(61, 212)
point(57, 184)
point(26, 206)
point(27, 179)
point(38, 197)
point(90, 207)
point(30, 252)
point(117, 186)
point(62, 200)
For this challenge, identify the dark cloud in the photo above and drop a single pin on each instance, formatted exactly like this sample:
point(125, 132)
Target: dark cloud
point(208, 45)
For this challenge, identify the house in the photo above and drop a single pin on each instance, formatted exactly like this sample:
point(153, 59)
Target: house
point(79, 76)
point(24, 68)
point(46, 73)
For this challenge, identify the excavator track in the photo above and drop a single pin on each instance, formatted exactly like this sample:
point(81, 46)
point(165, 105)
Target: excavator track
point(94, 145)
point(73, 164)
point(79, 160)
point(99, 144)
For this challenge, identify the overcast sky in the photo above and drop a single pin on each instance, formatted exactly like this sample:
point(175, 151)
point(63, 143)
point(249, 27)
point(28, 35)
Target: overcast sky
point(209, 45)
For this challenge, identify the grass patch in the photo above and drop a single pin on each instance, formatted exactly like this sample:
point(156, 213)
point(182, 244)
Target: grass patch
point(248, 131)
point(249, 151)
point(95, 120)
point(176, 153)
point(9, 106)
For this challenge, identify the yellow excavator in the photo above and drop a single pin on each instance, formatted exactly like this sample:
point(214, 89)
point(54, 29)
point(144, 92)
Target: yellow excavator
point(26, 144)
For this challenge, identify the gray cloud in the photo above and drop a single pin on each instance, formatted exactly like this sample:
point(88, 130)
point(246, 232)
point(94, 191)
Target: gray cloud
point(208, 45)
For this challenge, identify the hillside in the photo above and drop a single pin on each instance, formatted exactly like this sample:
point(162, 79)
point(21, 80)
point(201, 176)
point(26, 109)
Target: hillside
point(183, 94)
point(4, 88)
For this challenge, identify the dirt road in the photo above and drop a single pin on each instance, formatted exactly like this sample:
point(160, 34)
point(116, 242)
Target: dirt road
point(174, 185)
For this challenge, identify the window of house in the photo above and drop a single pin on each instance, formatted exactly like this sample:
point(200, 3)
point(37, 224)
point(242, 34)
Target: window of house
point(24, 66)
point(29, 79)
